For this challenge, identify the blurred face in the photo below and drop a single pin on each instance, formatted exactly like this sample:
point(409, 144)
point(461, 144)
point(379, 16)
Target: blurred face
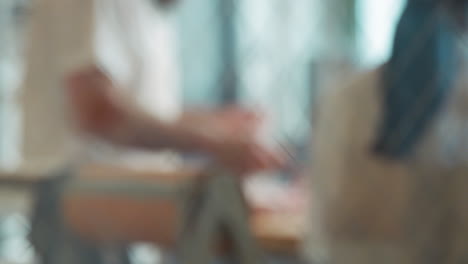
point(165, 3)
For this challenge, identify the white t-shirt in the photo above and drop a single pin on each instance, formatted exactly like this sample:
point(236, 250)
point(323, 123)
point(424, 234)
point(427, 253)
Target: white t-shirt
point(131, 40)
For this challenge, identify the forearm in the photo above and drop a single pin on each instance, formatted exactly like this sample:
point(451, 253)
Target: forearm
point(135, 128)
point(100, 109)
point(144, 131)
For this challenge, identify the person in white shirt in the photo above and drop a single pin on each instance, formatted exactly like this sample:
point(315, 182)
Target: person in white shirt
point(81, 53)
point(103, 69)
point(389, 172)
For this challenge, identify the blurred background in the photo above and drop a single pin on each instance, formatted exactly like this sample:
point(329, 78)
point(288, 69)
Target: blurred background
point(274, 55)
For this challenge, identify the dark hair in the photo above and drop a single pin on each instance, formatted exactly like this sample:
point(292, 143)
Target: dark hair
point(164, 3)
point(419, 75)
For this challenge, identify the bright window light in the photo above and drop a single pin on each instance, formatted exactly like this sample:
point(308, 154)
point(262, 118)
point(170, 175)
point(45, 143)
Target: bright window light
point(376, 26)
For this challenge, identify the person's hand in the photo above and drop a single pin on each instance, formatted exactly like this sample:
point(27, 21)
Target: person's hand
point(233, 119)
point(239, 120)
point(244, 154)
point(230, 135)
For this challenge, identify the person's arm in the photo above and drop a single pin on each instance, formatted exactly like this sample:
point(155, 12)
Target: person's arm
point(100, 109)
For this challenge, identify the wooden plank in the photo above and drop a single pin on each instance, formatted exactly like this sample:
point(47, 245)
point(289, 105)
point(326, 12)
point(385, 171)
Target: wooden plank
point(279, 232)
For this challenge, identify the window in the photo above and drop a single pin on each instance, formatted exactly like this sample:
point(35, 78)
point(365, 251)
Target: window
point(10, 77)
point(274, 48)
point(376, 22)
